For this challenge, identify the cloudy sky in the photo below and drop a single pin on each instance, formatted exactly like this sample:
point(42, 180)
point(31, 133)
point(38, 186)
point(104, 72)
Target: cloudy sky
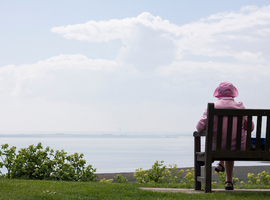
point(144, 66)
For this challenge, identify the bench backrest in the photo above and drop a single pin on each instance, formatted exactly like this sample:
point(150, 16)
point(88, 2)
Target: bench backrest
point(237, 115)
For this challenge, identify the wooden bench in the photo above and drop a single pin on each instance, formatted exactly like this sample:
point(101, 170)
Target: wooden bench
point(209, 156)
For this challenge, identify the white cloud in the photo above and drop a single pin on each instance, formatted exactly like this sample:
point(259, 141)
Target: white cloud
point(249, 8)
point(150, 42)
point(24, 79)
point(93, 31)
point(147, 40)
point(78, 62)
point(264, 31)
point(227, 34)
point(221, 45)
point(250, 57)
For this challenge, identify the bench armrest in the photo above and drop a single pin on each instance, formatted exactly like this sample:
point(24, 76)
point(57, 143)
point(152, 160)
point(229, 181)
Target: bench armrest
point(199, 134)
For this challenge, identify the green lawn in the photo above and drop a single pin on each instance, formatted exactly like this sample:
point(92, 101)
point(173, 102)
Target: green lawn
point(28, 189)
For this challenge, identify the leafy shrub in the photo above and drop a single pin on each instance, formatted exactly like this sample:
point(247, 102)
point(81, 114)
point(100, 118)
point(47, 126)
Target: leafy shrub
point(189, 177)
point(262, 178)
point(222, 178)
point(121, 179)
point(8, 161)
point(159, 173)
point(106, 181)
point(253, 180)
point(265, 178)
point(141, 175)
point(32, 163)
point(235, 180)
point(35, 163)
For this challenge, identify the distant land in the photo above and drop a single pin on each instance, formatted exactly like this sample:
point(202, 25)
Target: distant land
point(99, 135)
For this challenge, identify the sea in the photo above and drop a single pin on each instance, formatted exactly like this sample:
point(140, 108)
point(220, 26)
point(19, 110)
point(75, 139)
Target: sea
point(115, 153)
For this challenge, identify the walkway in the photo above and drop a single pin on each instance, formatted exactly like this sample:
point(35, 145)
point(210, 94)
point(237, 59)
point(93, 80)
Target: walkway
point(192, 191)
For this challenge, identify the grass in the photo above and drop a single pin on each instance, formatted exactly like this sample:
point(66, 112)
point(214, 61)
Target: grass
point(28, 189)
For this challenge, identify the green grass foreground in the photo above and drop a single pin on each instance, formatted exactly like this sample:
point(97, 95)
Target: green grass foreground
point(29, 189)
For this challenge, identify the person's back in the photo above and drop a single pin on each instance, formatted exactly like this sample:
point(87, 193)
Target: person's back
point(228, 102)
point(225, 93)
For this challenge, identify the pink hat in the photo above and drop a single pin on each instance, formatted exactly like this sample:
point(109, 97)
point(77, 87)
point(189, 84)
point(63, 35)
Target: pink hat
point(225, 89)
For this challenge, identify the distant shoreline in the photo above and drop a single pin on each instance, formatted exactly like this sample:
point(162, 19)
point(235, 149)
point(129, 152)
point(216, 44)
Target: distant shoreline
point(102, 135)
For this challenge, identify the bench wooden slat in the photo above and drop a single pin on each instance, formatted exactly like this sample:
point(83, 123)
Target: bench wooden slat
point(248, 135)
point(241, 155)
point(258, 133)
point(239, 132)
point(219, 132)
point(229, 133)
point(267, 134)
point(200, 178)
point(242, 112)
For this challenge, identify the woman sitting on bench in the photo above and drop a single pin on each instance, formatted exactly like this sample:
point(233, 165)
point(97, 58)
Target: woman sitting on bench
point(226, 93)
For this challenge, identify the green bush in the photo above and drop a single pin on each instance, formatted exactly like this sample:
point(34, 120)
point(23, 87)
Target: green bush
point(159, 173)
point(265, 178)
point(35, 163)
point(121, 179)
point(8, 161)
point(222, 178)
point(106, 181)
point(189, 177)
point(261, 179)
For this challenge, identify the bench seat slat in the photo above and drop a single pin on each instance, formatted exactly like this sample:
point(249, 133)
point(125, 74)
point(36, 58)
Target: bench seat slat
point(242, 112)
point(241, 155)
point(200, 178)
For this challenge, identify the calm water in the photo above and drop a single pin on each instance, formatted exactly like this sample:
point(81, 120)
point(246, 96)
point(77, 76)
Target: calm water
point(120, 154)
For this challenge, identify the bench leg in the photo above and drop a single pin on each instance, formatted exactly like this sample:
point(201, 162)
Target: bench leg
point(208, 177)
point(197, 173)
point(197, 164)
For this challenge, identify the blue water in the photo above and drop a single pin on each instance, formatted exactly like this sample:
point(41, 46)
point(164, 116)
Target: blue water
point(110, 155)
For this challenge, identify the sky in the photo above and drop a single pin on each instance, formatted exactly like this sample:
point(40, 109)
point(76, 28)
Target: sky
point(144, 66)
